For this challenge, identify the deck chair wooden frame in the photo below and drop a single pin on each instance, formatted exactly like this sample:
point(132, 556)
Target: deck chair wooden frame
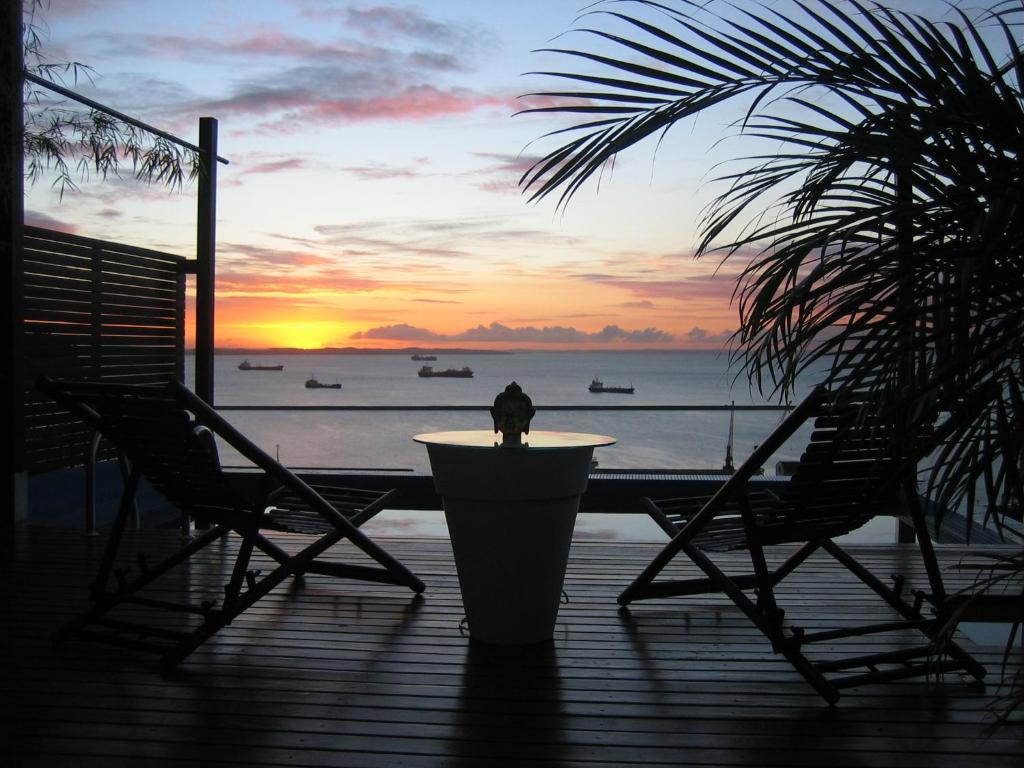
point(167, 435)
point(845, 477)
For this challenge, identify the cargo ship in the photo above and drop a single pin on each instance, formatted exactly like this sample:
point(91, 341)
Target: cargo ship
point(450, 373)
point(312, 383)
point(599, 386)
point(245, 365)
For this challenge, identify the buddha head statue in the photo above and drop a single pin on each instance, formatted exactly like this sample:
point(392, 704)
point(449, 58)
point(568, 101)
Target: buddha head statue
point(512, 412)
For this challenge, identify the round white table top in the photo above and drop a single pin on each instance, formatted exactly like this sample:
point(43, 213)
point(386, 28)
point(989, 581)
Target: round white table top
point(537, 439)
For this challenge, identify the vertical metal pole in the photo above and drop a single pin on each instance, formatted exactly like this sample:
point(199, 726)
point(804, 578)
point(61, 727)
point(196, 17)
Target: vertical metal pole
point(905, 244)
point(206, 245)
point(907, 382)
point(179, 323)
point(12, 214)
point(91, 459)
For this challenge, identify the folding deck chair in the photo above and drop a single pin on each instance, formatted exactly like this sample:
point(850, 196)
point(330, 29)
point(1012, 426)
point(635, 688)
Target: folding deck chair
point(847, 475)
point(167, 435)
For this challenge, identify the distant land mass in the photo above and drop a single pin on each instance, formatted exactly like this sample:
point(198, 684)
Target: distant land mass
point(353, 351)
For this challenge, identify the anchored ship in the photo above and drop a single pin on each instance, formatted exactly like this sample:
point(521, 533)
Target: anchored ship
point(451, 373)
point(599, 386)
point(245, 365)
point(312, 383)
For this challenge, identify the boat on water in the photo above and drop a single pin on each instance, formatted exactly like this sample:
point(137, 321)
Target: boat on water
point(428, 372)
point(599, 386)
point(312, 383)
point(245, 365)
point(424, 357)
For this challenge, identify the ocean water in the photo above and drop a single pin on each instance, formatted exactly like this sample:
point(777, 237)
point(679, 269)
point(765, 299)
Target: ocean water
point(383, 439)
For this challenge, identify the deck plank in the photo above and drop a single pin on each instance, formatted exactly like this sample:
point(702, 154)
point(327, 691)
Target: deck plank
point(325, 672)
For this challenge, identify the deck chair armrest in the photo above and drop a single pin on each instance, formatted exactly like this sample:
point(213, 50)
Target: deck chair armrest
point(207, 416)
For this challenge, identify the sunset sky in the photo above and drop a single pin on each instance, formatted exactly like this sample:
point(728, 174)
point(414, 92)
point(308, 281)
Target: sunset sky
point(371, 198)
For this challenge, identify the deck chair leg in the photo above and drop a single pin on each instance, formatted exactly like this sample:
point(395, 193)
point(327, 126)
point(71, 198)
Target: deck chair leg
point(104, 602)
point(924, 541)
point(772, 631)
point(239, 600)
point(98, 589)
point(795, 560)
point(968, 662)
point(233, 588)
point(125, 508)
point(171, 437)
point(877, 585)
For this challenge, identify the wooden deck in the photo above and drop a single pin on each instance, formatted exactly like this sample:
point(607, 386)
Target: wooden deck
point(331, 673)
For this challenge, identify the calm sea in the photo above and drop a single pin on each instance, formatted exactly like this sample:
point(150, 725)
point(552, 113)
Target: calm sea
point(383, 439)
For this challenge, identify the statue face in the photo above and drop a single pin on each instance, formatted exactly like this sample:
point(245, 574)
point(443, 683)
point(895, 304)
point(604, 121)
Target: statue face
point(512, 412)
point(512, 417)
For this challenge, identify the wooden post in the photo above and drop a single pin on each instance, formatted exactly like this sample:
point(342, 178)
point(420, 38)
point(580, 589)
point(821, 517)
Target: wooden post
point(12, 215)
point(206, 245)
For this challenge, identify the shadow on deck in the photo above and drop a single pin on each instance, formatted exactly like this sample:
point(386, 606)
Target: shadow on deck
point(334, 673)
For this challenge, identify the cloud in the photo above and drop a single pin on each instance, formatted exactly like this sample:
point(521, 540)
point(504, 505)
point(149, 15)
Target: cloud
point(497, 332)
point(503, 171)
point(383, 22)
point(291, 274)
point(78, 7)
point(323, 286)
point(45, 221)
point(399, 331)
point(413, 103)
point(259, 259)
point(438, 62)
point(293, 106)
point(699, 335)
point(717, 286)
point(375, 171)
point(276, 166)
point(458, 235)
point(387, 63)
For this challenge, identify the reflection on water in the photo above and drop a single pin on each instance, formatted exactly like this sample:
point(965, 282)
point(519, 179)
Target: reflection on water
point(361, 439)
point(649, 440)
point(376, 439)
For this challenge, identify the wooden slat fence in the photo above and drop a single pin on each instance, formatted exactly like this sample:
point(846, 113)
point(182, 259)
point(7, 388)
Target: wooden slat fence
point(94, 310)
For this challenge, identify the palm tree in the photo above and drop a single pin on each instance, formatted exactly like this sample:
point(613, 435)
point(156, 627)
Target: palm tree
point(887, 217)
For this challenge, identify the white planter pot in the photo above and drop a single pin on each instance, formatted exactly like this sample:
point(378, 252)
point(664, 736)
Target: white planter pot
point(511, 513)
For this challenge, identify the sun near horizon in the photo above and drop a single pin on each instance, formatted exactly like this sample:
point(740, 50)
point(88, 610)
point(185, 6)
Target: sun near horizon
point(372, 198)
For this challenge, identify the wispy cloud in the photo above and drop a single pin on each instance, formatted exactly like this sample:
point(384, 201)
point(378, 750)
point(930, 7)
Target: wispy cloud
point(454, 239)
point(276, 166)
point(387, 22)
point(718, 286)
point(377, 171)
point(386, 63)
point(78, 7)
point(383, 22)
point(502, 171)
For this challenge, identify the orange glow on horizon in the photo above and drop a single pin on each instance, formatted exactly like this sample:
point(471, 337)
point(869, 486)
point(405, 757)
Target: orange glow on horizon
point(251, 328)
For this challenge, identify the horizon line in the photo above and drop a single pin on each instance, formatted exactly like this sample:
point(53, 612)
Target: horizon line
point(436, 350)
